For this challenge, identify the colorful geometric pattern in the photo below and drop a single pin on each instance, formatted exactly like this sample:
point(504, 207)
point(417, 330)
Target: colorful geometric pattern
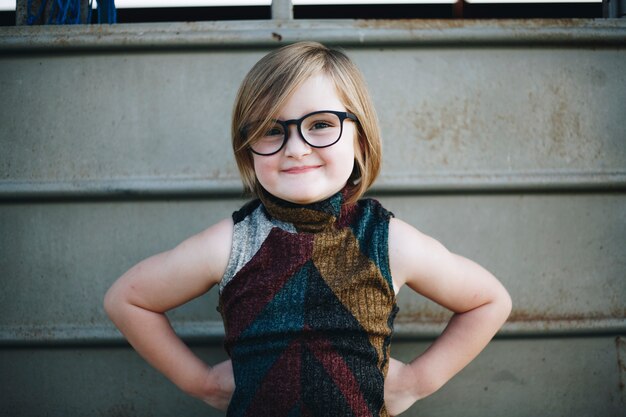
point(308, 308)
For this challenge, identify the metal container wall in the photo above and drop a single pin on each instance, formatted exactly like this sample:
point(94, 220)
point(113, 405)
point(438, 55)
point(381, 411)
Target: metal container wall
point(504, 140)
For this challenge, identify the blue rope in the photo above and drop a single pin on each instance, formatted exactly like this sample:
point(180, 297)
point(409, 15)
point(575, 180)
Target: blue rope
point(64, 8)
point(34, 18)
point(90, 8)
point(51, 17)
point(107, 12)
point(67, 12)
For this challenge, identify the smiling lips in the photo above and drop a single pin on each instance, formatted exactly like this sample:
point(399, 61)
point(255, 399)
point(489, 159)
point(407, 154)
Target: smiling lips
point(300, 169)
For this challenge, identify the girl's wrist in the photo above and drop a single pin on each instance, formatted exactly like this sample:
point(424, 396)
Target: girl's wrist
point(426, 380)
point(218, 385)
point(199, 384)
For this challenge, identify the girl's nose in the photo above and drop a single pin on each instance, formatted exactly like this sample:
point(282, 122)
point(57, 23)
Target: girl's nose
point(296, 147)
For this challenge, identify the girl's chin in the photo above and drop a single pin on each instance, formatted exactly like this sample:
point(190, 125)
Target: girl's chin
point(301, 197)
point(301, 200)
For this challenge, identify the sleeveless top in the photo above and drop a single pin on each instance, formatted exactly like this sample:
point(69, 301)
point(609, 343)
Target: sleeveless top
point(308, 307)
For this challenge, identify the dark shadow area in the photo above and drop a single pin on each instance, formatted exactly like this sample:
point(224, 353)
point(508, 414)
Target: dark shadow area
point(371, 11)
point(534, 11)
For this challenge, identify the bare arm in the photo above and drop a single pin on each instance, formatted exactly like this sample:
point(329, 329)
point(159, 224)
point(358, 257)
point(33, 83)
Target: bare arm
point(480, 303)
point(138, 300)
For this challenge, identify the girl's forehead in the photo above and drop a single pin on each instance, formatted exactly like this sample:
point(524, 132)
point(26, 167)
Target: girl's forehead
point(317, 92)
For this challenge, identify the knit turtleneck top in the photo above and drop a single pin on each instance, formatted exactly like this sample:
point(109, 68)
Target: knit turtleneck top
point(308, 307)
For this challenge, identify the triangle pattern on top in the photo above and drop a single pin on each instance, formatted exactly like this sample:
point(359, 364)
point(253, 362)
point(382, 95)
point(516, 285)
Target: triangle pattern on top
point(309, 314)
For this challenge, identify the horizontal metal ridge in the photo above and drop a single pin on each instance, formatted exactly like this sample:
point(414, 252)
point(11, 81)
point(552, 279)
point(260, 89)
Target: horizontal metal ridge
point(213, 331)
point(198, 187)
point(268, 33)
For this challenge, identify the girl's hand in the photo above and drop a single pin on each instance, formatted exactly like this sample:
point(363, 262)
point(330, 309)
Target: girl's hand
point(399, 395)
point(219, 386)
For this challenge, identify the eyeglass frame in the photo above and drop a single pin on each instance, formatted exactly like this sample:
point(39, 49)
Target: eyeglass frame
point(342, 115)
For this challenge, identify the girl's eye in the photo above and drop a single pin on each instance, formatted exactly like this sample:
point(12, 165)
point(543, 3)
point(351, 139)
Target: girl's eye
point(274, 131)
point(319, 125)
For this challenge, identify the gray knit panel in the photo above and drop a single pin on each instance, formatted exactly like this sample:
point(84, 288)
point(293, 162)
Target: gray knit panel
point(248, 236)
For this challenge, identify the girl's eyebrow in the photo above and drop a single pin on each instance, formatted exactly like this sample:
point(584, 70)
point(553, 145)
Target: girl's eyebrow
point(309, 112)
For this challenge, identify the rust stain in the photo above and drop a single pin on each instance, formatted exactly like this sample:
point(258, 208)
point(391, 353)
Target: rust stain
point(442, 24)
point(448, 129)
point(426, 122)
point(565, 122)
point(428, 315)
point(524, 315)
point(424, 315)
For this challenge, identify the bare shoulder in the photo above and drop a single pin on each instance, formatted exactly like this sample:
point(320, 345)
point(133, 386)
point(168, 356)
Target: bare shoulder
point(198, 262)
point(171, 278)
point(412, 253)
point(406, 239)
point(219, 232)
point(399, 229)
point(211, 248)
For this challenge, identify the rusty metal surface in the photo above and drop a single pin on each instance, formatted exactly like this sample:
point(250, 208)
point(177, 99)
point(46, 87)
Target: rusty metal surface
point(503, 139)
point(268, 33)
point(561, 257)
point(179, 129)
point(487, 114)
point(59, 258)
point(560, 127)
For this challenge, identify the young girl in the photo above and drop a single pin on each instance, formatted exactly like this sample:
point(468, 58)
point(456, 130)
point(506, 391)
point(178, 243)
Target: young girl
point(308, 272)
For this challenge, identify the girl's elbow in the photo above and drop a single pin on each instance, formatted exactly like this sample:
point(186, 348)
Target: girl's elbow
point(505, 302)
point(113, 300)
point(110, 301)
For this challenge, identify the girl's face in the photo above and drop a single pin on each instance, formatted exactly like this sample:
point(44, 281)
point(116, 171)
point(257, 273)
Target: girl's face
point(300, 173)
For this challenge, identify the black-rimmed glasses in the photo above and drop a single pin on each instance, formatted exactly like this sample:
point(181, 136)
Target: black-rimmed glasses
point(319, 129)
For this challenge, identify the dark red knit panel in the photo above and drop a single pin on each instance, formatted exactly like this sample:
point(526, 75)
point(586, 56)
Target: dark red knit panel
point(242, 302)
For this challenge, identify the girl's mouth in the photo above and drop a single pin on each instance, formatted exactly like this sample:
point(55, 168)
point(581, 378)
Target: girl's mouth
point(301, 169)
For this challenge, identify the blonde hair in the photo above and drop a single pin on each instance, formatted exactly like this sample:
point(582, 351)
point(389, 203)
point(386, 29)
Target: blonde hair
point(271, 82)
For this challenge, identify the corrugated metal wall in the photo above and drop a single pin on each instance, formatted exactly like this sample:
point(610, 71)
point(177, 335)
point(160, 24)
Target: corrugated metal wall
point(504, 140)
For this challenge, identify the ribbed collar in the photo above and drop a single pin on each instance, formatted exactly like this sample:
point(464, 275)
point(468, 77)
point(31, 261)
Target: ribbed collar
point(309, 218)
